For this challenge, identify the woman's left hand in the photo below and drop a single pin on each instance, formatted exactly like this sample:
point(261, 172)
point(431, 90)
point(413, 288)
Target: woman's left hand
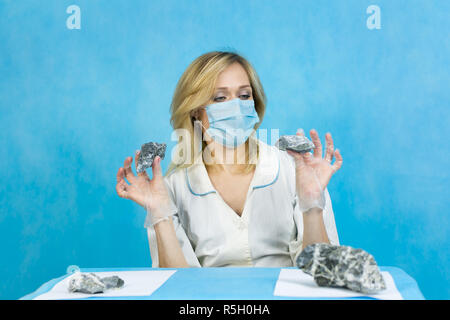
point(312, 171)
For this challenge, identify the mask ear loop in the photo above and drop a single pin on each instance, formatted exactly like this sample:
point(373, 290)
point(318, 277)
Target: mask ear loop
point(196, 120)
point(199, 136)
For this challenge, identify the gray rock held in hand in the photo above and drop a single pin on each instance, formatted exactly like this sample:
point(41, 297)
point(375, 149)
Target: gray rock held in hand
point(341, 266)
point(294, 143)
point(148, 153)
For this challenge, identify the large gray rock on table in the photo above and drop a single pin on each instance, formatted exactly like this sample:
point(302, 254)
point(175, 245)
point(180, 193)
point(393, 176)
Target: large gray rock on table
point(295, 143)
point(148, 153)
point(341, 266)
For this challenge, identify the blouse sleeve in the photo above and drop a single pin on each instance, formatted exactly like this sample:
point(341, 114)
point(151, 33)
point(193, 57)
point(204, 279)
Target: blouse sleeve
point(184, 241)
point(295, 246)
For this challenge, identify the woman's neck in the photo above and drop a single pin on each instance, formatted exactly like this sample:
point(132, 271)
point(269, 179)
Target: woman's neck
point(227, 160)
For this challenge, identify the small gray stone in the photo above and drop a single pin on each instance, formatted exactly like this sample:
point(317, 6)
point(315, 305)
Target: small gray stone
point(294, 143)
point(148, 153)
point(341, 266)
point(112, 282)
point(86, 283)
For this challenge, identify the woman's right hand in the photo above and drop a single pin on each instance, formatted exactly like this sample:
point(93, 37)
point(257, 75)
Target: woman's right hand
point(150, 193)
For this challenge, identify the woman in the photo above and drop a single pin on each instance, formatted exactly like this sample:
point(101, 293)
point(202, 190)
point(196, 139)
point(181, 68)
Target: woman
point(259, 208)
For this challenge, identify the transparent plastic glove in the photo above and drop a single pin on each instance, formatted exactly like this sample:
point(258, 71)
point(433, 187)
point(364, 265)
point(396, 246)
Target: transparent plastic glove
point(310, 197)
point(151, 194)
point(312, 172)
point(164, 212)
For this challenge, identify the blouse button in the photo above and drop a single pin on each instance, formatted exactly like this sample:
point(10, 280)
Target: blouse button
point(242, 225)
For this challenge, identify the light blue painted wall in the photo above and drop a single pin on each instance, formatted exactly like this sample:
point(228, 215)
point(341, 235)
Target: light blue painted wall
point(75, 103)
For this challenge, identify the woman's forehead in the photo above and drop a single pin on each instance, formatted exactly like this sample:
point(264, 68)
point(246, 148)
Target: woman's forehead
point(233, 77)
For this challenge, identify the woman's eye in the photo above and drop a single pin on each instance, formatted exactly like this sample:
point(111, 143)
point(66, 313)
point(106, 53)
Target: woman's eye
point(246, 96)
point(219, 98)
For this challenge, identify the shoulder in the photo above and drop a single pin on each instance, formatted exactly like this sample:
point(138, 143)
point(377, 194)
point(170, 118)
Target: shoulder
point(286, 162)
point(281, 163)
point(174, 175)
point(267, 149)
point(174, 180)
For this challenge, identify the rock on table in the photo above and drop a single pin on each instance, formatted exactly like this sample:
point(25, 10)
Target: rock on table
point(341, 266)
point(91, 283)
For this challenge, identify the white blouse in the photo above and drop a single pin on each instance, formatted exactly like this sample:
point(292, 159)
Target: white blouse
point(267, 234)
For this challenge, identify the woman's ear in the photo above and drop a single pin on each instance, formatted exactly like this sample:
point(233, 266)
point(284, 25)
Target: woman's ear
point(194, 115)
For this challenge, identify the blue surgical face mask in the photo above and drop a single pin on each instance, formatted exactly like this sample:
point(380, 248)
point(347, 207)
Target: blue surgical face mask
point(231, 122)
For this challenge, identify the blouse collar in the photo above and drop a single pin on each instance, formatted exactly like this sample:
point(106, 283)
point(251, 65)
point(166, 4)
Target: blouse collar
point(266, 172)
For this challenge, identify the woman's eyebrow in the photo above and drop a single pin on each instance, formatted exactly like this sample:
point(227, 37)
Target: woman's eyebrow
point(226, 88)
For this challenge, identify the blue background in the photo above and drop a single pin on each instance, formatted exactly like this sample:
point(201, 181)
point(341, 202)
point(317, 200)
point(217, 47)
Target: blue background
point(75, 103)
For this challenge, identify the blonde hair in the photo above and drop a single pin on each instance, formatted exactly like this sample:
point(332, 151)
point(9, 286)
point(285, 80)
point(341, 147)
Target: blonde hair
point(195, 89)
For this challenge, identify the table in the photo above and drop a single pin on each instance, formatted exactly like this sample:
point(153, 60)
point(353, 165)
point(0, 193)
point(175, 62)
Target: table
point(226, 283)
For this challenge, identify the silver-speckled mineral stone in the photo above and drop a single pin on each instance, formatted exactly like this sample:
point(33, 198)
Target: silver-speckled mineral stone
point(148, 153)
point(341, 266)
point(86, 283)
point(294, 143)
point(112, 282)
point(91, 283)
